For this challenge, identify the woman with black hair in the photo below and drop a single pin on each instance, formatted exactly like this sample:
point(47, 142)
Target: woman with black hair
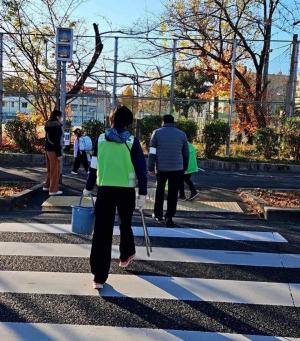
point(53, 150)
point(118, 160)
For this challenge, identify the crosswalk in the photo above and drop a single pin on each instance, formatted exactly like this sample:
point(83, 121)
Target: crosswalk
point(200, 284)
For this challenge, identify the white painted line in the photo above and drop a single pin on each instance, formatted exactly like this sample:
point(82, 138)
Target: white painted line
point(158, 254)
point(160, 287)
point(295, 290)
point(155, 232)
point(12, 331)
point(291, 260)
point(35, 228)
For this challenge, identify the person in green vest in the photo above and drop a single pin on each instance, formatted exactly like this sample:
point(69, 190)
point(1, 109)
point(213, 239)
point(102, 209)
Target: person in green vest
point(117, 163)
point(192, 168)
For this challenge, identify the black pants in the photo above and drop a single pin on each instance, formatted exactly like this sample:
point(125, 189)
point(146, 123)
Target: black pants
point(108, 199)
point(174, 181)
point(81, 158)
point(188, 180)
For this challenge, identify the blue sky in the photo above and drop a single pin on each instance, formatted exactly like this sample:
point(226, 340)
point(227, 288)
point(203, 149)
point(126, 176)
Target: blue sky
point(124, 13)
point(121, 13)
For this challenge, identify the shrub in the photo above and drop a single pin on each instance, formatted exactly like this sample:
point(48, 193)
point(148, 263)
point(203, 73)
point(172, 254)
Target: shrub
point(291, 138)
point(267, 142)
point(215, 134)
point(189, 127)
point(23, 133)
point(147, 125)
point(93, 128)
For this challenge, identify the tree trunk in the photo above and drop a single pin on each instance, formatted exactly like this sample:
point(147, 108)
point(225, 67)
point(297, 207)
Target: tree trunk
point(216, 108)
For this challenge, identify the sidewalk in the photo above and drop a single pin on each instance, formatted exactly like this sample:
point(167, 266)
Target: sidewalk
point(215, 200)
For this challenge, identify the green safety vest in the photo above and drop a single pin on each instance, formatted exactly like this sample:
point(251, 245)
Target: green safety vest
point(193, 164)
point(115, 168)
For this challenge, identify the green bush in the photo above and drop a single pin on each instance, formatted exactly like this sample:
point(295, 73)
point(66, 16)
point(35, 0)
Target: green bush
point(24, 134)
point(267, 142)
point(93, 128)
point(147, 125)
point(189, 127)
point(215, 134)
point(291, 138)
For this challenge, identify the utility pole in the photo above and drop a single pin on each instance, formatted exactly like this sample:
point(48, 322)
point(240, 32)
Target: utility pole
point(114, 94)
point(296, 62)
point(160, 89)
point(231, 99)
point(173, 76)
point(292, 82)
point(1, 88)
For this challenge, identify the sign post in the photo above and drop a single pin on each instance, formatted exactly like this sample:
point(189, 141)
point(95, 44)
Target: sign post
point(63, 54)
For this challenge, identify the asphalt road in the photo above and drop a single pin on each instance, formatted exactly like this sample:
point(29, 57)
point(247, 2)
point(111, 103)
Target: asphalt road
point(234, 314)
point(246, 179)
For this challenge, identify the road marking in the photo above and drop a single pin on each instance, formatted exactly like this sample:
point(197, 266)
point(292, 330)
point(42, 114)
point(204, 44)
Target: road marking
point(259, 236)
point(295, 291)
point(12, 331)
point(160, 287)
point(158, 254)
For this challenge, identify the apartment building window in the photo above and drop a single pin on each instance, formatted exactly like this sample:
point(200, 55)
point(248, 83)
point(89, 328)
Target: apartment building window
point(4, 104)
point(24, 104)
point(12, 104)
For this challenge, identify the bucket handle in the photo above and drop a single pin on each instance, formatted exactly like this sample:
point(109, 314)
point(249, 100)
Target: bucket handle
point(90, 196)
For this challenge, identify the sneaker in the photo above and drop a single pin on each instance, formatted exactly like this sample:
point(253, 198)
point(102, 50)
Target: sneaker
point(97, 285)
point(45, 189)
point(159, 220)
point(169, 222)
point(56, 193)
point(182, 197)
point(75, 173)
point(193, 195)
point(125, 263)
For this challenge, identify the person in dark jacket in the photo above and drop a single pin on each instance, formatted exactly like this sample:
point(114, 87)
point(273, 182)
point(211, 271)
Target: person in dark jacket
point(118, 160)
point(53, 150)
point(169, 156)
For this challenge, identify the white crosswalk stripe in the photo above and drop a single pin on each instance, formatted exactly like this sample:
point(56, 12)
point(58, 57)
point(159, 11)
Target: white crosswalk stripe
point(155, 232)
point(140, 304)
point(159, 254)
point(194, 289)
point(45, 332)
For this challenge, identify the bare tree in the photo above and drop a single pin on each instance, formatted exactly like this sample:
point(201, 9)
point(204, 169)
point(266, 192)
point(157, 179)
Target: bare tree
point(29, 28)
point(206, 30)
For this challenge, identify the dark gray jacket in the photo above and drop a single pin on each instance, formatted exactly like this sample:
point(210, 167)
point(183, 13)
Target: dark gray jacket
point(169, 149)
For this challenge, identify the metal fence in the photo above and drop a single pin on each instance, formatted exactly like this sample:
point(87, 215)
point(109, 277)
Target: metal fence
point(143, 74)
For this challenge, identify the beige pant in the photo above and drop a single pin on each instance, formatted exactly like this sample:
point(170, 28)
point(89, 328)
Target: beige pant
point(53, 172)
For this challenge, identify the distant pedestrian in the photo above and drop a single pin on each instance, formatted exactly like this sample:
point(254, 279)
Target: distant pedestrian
point(192, 168)
point(53, 150)
point(118, 160)
point(82, 147)
point(169, 157)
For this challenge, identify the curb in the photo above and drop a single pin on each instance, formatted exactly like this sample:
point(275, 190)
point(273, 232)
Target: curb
point(271, 213)
point(18, 199)
point(248, 166)
point(257, 203)
point(282, 214)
